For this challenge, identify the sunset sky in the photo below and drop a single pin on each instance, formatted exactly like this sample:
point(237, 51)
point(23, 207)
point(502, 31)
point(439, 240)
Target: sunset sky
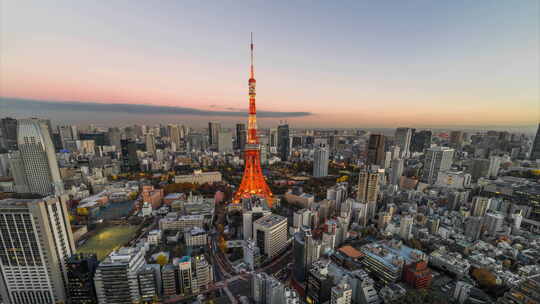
point(332, 63)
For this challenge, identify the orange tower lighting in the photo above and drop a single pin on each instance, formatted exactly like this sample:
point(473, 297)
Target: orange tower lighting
point(253, 182)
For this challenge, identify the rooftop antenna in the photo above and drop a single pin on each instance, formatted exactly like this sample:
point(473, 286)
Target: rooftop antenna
point(251, 45)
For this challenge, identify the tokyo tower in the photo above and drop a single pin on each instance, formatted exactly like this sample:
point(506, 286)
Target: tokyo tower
point(253, 182)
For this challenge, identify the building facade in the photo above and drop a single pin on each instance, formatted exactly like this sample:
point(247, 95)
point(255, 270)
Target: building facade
point(36, 240)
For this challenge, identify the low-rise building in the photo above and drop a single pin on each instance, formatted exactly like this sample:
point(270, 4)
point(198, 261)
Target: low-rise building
point(199, 177)
point(452, 262)
point(386, 259)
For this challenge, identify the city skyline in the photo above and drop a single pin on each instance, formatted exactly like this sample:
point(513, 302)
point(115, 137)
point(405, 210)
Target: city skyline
point(321, 65)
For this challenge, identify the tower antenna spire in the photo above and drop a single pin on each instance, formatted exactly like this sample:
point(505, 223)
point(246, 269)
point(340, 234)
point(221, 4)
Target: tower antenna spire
point(251, 45)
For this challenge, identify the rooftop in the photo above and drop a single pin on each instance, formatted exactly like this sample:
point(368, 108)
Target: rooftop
point(392, 253)
point(350, 252)
point(270, 220)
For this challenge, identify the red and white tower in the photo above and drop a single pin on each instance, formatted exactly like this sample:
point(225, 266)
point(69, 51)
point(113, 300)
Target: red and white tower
point(253, 182)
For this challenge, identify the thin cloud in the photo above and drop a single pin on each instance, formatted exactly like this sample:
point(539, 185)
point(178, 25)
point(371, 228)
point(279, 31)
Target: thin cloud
point(40, 105)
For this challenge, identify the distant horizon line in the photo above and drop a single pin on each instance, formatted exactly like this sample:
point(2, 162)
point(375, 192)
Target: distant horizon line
point(36, 107)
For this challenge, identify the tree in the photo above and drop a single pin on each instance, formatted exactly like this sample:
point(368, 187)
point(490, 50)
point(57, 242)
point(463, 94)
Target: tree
point(162, 260)
point(484, 277)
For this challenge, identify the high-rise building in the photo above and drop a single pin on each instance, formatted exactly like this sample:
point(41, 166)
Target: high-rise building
point(437, 159)
point(397, 171)
point(266, 289)
point(252, 209)
point(368, 190)
point(480, 205)
point(8, 133)
point(403, 140)
point(174, 136)
point(130, 161)
point(213, 133)
point(38, 157)
point(319, 283)
point(341, 293)
point(224, 142)
point(273, 140)
point(186, 277)
point(375, 153)
point(473, 227)
point(270, 234)
point(36, 241)
point(535, 152)
point(457, 198)
point(364, 291)
point(405, 227)
point(384, 219)
point(306, 250)
point(253, 182)
point(150, 142)
point(114, 135)
point(421, 140)
point(169, 280)
point(81, 269)
point(99, 138)
point(16, 167)
point(456, 139)
point(362, 213)
point(66, 134)
point(202, 272)
point(494, 166)
point(478, 168)
point(283, 144)
point(320, 161)
point(494, 222)
point(240, 137)
point(149, 281)
point(116, 278)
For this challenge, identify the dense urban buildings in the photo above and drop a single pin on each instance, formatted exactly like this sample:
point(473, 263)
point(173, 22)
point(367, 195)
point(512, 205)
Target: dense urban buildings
point(159, 205)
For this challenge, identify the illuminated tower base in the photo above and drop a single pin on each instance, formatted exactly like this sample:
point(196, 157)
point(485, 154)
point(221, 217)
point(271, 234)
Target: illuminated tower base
point(253, 182)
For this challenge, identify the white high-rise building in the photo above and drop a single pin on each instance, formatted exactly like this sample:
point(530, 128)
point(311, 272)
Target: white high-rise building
point(437, 159)
point(35, 241)
point(403, 140)
point(116, 278)
point(494, 166)
point(480, 205)
point(252, 210)
point(38, 157)
point(362, 214)
point(203, 273)
point(405, 227)
point(270, 234)
point(494, 222)
point(320, 161)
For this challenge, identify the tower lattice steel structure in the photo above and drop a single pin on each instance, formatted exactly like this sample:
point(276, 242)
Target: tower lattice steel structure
point(253, 182)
